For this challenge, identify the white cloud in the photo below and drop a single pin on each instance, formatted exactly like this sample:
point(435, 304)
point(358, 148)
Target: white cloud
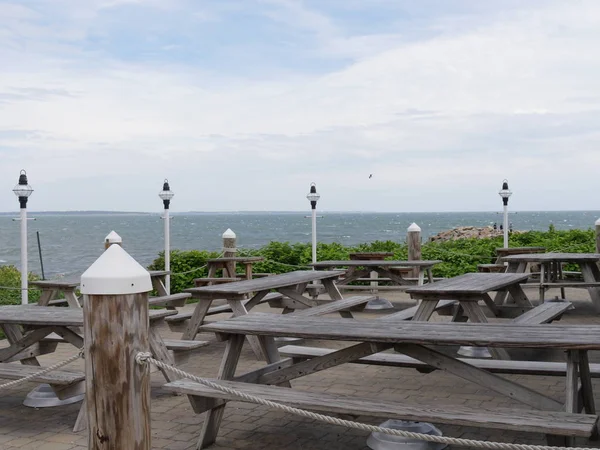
point(462, 108)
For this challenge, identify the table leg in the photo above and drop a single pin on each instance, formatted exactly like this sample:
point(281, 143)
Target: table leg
point(476, 315)
point(14, 334)
point(229, 363)
point(421, 278)
point(519, 296)
point(72, 299)
point(46, 296)
point(197, 318)
point(158, 285)
point(161, 353)
point(332, 290)
point(572, 387)
point(248, 271)
point(212, 270)
point(239, 309)
point(425, 310)
point(591, 274)
point(542, 278)
point(587, 391)
point(429, 275)
point(502, 297)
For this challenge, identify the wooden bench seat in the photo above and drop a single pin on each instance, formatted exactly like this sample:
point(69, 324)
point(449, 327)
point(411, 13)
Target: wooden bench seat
point(491, 268)
point(343, 306)
point(170, 301)
point(181, 349)
point(535, 421)
point(566, 284)
point(547, 368)
point(63, 377)
point(199, 282)
point(408, 313)
point(176, 323)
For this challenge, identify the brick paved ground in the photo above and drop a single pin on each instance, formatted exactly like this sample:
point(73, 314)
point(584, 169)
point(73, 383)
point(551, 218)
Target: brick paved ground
point(246, 426)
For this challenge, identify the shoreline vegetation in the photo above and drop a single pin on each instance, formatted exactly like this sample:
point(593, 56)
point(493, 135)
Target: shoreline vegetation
point(460, 251)
point(458, 255)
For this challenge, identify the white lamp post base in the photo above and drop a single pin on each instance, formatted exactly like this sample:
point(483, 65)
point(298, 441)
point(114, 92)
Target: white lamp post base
point(474, 352)
point(44, 397)
point(379, 303)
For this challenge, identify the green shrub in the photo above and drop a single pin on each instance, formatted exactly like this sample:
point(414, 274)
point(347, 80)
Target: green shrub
point(458, 257)
point(10, 284)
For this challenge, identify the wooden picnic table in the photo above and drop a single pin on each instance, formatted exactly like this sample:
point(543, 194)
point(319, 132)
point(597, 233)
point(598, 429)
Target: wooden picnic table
point(468, 289)
point(51, 289)
point(413, 339)
point(551, 275)
point(291, 285)
point(27, 328)
point(158, 278)
point(228, 265)
point(357, 269)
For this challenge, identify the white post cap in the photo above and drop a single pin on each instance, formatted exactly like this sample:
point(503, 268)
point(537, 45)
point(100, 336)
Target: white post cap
point(597, 222)
point(115, 272)
point(229, 234)
point(113, 238)
point(414, 227)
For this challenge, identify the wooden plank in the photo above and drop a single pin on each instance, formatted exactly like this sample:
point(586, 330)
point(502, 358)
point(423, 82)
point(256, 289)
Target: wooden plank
point(469, 283)
point(376, 263)
point(497, 418)
point(210, 428)
point(21, 342)
point(558, 336)
point(553, 257)
point(425, 310)
point(545, 368)
point(294, 295)
point(12, 371)
point(182, 345)
point(408, 313)
point(481, 377)
point(543, 313)
point(265, 283)
point(336, 306)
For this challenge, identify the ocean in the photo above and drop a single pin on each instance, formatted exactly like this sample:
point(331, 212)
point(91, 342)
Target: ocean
point(70, 242)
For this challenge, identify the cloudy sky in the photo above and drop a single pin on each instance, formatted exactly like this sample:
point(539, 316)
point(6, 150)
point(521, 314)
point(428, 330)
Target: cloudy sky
point(242, 103)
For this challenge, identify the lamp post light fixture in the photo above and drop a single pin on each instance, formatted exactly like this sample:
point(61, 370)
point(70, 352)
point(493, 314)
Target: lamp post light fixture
point(166, 195)
point(505, 193)
point(313, 198)
point(22, 190)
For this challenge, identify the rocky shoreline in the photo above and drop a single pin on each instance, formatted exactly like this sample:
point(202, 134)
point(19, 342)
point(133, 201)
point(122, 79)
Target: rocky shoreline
point(468, 233)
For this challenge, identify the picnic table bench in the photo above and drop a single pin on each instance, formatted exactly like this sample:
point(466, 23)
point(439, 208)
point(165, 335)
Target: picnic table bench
point(290, 285)
point(412, 339)
point(551, 275)
point(27, 326)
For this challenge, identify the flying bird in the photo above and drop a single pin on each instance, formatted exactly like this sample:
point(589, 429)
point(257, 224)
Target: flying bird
point(371, 176)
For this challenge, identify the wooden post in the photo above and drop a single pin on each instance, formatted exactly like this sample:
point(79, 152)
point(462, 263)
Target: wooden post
point(598, 236)
point(112, 238)
point(413, 238)
point(115, 313)
point(229, 250)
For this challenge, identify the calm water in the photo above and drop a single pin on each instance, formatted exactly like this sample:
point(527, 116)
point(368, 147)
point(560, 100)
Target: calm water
point(71, 242)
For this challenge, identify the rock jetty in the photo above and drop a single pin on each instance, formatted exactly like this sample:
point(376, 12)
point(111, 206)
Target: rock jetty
point(467, 233)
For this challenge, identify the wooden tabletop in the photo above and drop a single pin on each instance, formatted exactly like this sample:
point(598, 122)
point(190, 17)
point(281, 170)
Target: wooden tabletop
point(553, 257)
point(426, 333)
point(56, 284)
point(370, 263)
point(470, 283)
point(48, 315)
point(266, 283)
point(240, 259)
point(501, 251)
point(370, 255)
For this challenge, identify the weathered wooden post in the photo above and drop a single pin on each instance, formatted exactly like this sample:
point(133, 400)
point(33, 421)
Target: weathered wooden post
point(229, 250)
point(597, 236)
point(115, 311)
point(413, 239)
point(112, 238)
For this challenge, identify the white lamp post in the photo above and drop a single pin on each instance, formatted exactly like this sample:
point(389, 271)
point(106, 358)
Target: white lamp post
point(166, 195)
point(505, 193)
point(313, 197)
point(23, 191)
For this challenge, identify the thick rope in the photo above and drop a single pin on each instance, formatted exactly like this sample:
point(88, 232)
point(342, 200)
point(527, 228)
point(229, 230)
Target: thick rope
point(145, 358)
point(43, 372)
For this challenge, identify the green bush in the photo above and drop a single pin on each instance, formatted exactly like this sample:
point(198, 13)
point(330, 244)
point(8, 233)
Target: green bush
point(458, 257)
point(10, 284)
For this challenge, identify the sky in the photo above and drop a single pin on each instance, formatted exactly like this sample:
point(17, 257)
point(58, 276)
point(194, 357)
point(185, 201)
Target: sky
point(241, 104)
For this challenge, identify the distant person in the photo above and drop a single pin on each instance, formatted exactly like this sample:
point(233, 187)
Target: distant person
point(495, 226)
point(510, 227)
point(501, 227)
